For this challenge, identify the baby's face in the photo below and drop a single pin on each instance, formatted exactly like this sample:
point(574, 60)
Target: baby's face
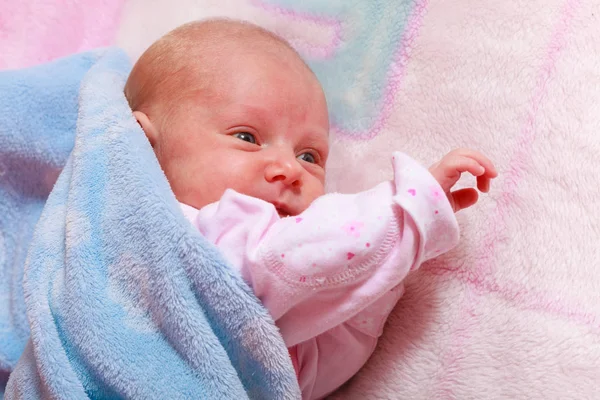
point(262, 130)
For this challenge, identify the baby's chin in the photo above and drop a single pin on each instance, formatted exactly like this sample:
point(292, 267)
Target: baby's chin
point(285, 211)
point(283, 214)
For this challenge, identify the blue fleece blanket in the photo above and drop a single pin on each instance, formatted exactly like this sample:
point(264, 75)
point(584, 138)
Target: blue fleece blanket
point(106, 291)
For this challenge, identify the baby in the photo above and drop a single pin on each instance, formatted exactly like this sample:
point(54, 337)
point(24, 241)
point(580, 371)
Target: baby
point(239, 124)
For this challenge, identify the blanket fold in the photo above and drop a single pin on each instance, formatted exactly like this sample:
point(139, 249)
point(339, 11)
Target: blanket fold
point(123, 297)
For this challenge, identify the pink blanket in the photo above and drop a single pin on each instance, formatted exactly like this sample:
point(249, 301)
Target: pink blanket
point(514, 311)
point(36, 31)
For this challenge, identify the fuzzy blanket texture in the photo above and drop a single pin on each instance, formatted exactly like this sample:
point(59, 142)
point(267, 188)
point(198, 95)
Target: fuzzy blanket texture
point(514, 311)
point(123, 297)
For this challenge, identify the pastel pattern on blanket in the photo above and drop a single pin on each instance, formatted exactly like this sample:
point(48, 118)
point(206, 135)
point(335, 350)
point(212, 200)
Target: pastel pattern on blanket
point(360, 72)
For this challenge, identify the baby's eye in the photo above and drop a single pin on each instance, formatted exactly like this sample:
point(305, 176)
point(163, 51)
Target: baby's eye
point(246, 137)
point(307, 157)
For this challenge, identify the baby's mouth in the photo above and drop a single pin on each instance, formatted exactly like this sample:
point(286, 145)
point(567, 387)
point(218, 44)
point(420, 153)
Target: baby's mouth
point(282, 213)
point(282, 210)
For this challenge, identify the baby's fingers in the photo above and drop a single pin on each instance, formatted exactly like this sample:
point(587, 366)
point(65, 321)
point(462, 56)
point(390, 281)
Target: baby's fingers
point(483, 183)
point(463, 198)
point(465, 164)
point(486, 163)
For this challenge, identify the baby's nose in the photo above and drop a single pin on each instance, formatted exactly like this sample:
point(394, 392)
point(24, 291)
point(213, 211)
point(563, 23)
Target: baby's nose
point(284, 168)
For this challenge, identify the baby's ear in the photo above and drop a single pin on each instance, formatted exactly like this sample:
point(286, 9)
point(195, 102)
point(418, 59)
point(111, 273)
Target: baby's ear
point(147, 126)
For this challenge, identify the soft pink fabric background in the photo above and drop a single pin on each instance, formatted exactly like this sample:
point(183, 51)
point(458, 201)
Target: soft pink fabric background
point(36, 31)
point(514, 311)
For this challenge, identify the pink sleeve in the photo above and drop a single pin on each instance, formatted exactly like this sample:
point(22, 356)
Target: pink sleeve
point(319, 269)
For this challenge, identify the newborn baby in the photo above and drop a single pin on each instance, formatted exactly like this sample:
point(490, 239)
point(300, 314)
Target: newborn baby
point(239, 124)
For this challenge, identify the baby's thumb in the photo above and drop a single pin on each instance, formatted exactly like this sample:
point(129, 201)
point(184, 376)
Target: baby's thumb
point(463, 198)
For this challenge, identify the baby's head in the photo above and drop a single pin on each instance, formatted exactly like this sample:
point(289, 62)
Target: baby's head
point(227, 104)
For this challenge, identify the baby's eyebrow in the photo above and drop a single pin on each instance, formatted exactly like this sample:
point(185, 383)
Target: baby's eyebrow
point(248, 113)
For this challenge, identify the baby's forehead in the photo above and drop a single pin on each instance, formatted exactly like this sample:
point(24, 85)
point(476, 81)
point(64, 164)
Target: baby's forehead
point(236, 60)
point(213, 57)
point(211, 62)
point(194, 54)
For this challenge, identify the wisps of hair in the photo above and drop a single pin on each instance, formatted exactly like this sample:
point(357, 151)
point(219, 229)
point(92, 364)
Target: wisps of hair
point(179, 57)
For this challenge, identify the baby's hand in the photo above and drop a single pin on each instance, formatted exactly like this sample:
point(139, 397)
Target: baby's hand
point(449, 169)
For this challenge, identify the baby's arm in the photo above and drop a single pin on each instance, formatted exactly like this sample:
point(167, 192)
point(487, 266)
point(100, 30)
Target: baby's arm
point(319, 269)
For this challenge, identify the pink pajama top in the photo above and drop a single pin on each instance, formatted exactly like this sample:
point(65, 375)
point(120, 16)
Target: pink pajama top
point(331, 275)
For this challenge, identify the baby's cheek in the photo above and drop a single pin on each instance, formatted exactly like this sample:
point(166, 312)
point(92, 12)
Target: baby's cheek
point(190, 191)
point(186, 194)
point(312, 191)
